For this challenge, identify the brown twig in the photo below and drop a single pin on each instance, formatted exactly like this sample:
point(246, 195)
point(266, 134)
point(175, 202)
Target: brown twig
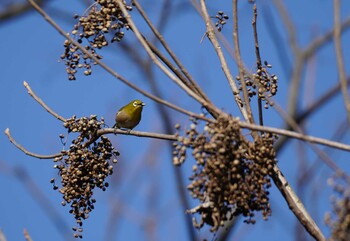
point(295, 205)
point(327, 160)
point(15, 9)
point(26, 235)
point(319, 42)
point(339, 54)
point(258, 60)
point(288, 24)
point(296, 135)
point(106, 67)
point(105, 131)
point(323, 99)
point(48, 109)
point(25, 151)
point(295, 80)
point(164, 113)
point(210, 33)
point(155, 60)
point(240, 63)
point(2, 236)
point(191, 82)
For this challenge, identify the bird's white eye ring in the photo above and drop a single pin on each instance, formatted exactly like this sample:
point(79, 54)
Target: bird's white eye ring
point(135, 104)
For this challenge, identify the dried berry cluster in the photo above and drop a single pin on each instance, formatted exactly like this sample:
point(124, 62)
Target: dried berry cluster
point(262, 81)
point(341, 209)
point(103, 18)
point(231, 175)
point(221, 20)
point(83, 168)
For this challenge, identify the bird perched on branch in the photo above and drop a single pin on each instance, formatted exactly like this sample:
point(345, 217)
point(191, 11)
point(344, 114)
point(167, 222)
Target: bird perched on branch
point(129, 115)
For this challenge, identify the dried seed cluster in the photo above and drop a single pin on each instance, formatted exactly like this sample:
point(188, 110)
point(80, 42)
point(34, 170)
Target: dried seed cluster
point(103, 18)
point(340, 225)
point(231, 174)
point(221, 20)
point(261, 82)
point(83, 167)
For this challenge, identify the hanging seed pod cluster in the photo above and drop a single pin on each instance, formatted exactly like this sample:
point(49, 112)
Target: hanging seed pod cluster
point(339, 220)
point(83, 167)
point(231, 174)
point(102, 20)
point(262, 83)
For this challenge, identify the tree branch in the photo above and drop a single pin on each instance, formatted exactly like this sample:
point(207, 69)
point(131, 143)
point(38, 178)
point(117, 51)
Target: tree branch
point(48, 109)
point(107, 68)
point(210, 33)
point(340, 60)
point(246, 102)
point(156, 61)
point(25, 151)
point(295, 205)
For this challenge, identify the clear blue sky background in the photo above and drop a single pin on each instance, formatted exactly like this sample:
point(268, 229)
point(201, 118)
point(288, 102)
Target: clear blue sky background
point(30, 50)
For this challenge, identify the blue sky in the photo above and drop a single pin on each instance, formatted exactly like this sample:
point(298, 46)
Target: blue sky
point(144, 177)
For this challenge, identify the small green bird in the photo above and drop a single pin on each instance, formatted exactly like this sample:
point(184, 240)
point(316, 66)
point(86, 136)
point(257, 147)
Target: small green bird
point(129, 116)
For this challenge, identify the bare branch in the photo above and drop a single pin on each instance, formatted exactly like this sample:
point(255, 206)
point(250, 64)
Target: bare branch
point(139, 134)
point(192, 83)
point(48, 109)
point(289, 26)
point(246, 102)
point(155, 60)
point(2, 236)
point(296, 205)
point(107, 68)
point(319, 42)
point(17, 8)
point(210, 33)
point(258, 60)
point(340, 60)
point(12, 140)
point(26, 235)
point(296, 135)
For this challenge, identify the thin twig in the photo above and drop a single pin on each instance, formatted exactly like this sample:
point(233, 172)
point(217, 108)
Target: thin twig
point(106, 67)
point(154, 59)
point(246, 102)
point(295, 80)
point(296, 135)
point(138, 133)
point(192, 83)
point(163, 111)
point(319, 42)
point(210, 107)
point(246, 125)
point(26, 235)
point(210, 33)
point(2, 236)
point(289, 25)
point(258, 60)
point(291, 122)
point(339, 54)
point(221, 37)
point(94, 138)
point(323, 99)
point(25, 151)
point(14, 9)
point(48, 109)
point(296, 205)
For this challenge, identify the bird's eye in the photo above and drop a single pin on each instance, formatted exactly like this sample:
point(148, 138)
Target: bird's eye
point(135, 104)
